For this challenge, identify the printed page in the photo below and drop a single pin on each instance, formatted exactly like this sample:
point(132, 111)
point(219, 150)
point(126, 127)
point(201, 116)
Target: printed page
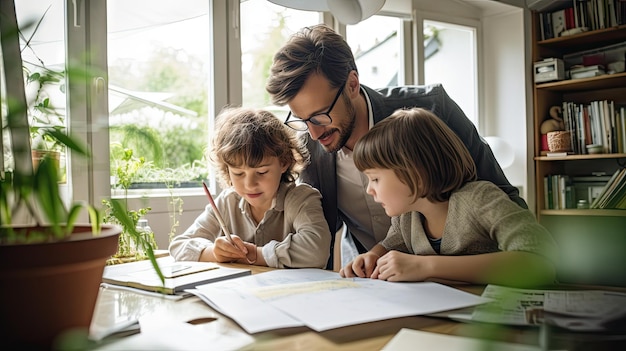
point(583, 310)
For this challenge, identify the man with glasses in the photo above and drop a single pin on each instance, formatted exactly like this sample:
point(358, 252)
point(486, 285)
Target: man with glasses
point(315, 74)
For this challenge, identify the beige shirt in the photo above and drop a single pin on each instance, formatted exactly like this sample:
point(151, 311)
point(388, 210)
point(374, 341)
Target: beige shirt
point(481, 219)
point(365, 218)
point(293, 232)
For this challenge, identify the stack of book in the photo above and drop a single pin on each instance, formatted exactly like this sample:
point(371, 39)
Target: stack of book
point(580, 16)
point(613, 195)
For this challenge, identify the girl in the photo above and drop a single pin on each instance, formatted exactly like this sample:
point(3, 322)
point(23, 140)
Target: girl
point(277, 222)
point(446, 225)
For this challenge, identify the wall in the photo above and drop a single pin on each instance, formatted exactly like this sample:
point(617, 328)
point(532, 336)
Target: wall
point(504, 89)
point(502, 71)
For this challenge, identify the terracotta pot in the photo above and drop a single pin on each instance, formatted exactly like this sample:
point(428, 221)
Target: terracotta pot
point(38, 155)
point(49, 288)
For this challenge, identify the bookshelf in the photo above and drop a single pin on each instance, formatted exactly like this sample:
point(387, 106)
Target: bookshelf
point(589, 236)
point(605, 87)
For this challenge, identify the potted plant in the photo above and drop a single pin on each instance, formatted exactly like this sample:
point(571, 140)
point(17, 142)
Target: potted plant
point(50, 265)
point(46, 121)
point(123, 171)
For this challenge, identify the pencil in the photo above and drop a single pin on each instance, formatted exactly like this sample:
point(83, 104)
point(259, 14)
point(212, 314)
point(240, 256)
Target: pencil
point(217, 213)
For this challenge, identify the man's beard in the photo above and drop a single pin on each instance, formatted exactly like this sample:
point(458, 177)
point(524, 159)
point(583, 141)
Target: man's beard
point(344, 129)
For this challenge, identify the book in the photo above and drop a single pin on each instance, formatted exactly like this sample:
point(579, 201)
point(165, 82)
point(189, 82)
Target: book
point(558, 22)
point(178, 275)
point(556, 154)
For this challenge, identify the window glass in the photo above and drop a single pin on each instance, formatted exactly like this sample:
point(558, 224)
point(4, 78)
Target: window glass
point(450, 59)
point(43, 63)
point(158, 57)
point(377, 47)
point(265, 27)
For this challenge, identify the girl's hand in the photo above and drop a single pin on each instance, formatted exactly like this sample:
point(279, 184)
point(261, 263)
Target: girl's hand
point(362, 266)
point(397, 266)
point(225, 251)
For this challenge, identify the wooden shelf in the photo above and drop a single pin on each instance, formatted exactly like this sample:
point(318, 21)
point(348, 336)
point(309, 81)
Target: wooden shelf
point(607, 81)
point(580, 157)
point(584, 212)
point(585, 40)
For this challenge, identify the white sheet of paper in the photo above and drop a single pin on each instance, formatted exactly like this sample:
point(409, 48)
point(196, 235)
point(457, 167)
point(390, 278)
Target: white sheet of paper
point(408, 339)
point(158, 336)
point(323, 300)
point(252, 314)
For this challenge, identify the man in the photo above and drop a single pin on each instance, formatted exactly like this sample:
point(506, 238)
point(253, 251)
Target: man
point(315, 74)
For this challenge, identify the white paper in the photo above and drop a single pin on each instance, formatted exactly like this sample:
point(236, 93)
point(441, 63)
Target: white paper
point(158, 335)
point(409, 339)
point(322, 300)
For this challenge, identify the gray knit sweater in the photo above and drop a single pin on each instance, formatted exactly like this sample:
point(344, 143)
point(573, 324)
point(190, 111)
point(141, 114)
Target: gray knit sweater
point(481, 219)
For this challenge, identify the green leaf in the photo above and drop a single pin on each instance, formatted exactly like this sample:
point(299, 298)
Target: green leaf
point(46, 190)
point(96, 218)
point(64, 139)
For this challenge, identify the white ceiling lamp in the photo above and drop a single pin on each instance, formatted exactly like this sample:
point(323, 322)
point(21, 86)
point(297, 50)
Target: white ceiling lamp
point(346, 11)
point(502, 150)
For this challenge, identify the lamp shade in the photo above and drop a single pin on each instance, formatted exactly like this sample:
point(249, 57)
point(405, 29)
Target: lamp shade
point(305, 5)
point(354, 11)
point(346, 11)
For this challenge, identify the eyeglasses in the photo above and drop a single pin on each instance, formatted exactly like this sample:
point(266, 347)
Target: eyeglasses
point(320, 119)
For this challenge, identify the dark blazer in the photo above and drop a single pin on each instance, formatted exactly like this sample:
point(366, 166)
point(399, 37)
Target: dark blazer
point(321, 173)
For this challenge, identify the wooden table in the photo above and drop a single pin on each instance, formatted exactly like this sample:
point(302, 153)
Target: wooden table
point(115, 305)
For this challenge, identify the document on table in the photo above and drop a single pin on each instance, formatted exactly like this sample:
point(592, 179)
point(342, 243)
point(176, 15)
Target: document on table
point(176, 335)
point(408, 339)
point(580, 310)
point(322, 300)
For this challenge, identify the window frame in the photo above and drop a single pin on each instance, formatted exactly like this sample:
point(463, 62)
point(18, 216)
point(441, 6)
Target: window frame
point(89, 179)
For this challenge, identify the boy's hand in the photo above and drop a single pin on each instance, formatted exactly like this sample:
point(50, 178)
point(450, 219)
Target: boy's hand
point(363, 266)
point(225, 251)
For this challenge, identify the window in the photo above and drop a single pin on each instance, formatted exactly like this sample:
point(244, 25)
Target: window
point(43, 63)
point(158, 65)
point(450, 59)
point(377, 46)
point(265, 27)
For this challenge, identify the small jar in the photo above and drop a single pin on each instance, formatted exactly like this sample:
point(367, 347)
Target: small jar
point(582, 204)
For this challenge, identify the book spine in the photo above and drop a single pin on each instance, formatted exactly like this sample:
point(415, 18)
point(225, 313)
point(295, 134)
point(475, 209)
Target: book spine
point(622, 116)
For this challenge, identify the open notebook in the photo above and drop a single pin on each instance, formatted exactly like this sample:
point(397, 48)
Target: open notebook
point(178, 275)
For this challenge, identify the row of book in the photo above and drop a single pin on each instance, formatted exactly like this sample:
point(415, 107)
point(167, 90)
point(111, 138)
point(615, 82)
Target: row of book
point(559, 192)
point(582, 15)
point(597, 123)
point(594, 191)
